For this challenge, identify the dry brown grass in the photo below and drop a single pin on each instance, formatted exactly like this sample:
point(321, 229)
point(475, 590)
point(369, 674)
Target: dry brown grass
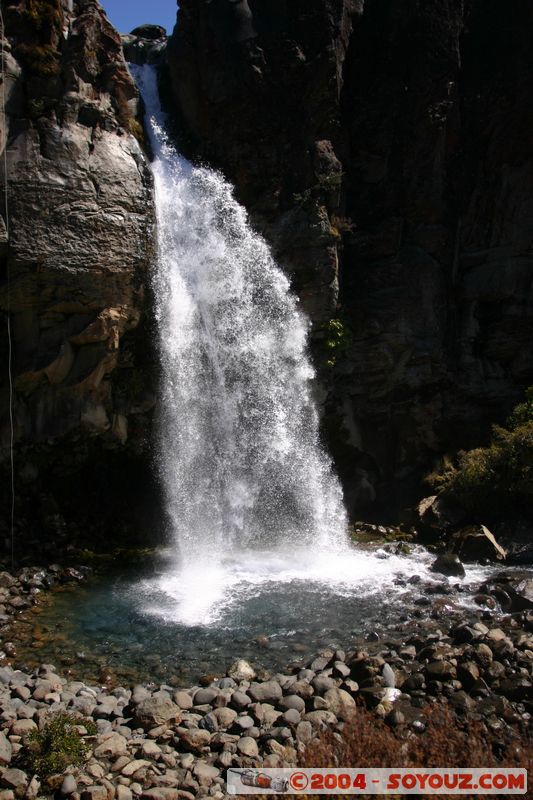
point(367, 742)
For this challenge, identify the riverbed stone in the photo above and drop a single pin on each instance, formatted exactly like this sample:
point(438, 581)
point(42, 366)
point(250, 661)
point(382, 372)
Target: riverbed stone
point(156, 711)
point(292, 701)
point(23, 727)
point(6, 749)
point(111, 746)
point(14, 779)
point(339, 701)
point(441, 671)
point(304, 731)
point(265, 692)
point(322, 683)
point(240, 700)
point(468, 673)
point(134, 766)
point(243, 723)
point(303, 689)
point(206, 773)
point(160, 793)
point(105, 707)
point(225, 716)
point(194, 739)
point(320, 663)
point(389, 677)
point(462, 702)
point(241, 670)
point(183, 700)
point(448, 564)
point(69, 785)
point(248, 747)
point(320, 718)
point(205, 696)
point(291, 716)
point(341, 670)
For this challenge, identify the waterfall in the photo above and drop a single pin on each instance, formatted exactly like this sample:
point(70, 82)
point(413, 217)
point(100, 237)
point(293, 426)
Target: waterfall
point(240, 457)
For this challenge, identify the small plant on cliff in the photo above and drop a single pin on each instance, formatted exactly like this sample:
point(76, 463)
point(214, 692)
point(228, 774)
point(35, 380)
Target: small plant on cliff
point(496, 477)
point(58, 745)
point(337, 340)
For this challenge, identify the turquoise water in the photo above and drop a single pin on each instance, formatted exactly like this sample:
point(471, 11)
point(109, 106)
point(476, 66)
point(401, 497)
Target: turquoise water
point(161, 626)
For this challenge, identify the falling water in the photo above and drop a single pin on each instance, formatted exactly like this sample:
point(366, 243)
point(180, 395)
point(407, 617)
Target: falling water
point(257, 522)
point(242, 465)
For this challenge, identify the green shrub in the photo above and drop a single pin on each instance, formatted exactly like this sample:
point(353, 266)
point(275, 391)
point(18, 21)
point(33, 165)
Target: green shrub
point(497, 477)
point(523, 413)
point(337, 340)
point(58, 745)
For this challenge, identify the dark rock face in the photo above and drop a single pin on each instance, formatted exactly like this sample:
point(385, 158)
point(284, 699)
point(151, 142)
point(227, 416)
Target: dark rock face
point(383, 149)
point(146, 44)
point(80, 238)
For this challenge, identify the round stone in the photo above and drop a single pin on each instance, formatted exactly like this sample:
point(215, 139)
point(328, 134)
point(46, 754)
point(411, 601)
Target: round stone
point(248, 747)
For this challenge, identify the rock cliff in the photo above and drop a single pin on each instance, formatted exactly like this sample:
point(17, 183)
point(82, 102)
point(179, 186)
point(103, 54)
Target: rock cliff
point(383, 149)
point(77, 242)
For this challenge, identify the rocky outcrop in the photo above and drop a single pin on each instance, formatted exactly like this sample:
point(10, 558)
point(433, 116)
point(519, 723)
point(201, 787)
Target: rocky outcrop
point(75, 261)
point(382, 147)
point(146, 44)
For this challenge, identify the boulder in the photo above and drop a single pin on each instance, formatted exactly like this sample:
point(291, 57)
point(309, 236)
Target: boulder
point(441, 671)
point(477, 542)
point(205, 696)
point(149, 32)
point(112, 746)
point(435, 513)
point(265, 692)
point(6, 749)
point(194, 739)
point(339, 701)
point(156, 711)
point(69, 785)
point(448, 564)
point(14, 779)
point(521, 594)
point(241, 670)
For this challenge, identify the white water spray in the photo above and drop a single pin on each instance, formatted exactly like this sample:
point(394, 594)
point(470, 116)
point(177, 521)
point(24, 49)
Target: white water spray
point(241, 461)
